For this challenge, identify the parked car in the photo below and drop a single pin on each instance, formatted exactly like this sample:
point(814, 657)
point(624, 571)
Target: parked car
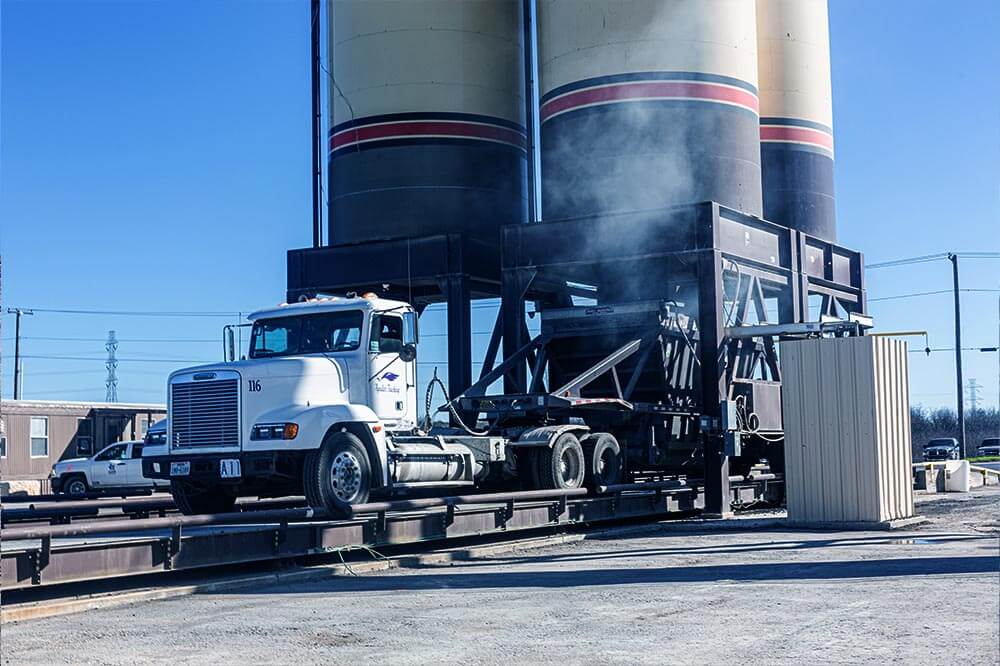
point(942, 448)
point(989, 447)
point(115, 467)
point(157, 434)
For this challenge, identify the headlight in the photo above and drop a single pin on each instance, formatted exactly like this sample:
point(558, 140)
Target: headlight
point(275, 431)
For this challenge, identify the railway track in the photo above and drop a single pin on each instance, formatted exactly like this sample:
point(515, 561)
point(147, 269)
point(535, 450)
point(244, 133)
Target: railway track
point(64, 512)
point(99, 547)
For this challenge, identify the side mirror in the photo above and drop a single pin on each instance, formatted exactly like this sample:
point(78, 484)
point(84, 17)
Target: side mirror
point(411, 332)
point(408, 353)
point(230, 345)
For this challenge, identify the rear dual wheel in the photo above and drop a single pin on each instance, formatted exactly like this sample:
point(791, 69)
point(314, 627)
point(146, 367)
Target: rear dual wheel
point(594, 461)
point(604, 460)
point(563, 465)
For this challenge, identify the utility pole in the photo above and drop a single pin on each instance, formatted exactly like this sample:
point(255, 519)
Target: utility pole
point(18, 312)
point(316, 120)
point(953, 258)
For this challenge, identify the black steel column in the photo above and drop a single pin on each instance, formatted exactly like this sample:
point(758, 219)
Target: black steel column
point(960, 389)
point(512, 311)
point(459, 334)
point(529, 103)
point(711, 334)
point(316, 113)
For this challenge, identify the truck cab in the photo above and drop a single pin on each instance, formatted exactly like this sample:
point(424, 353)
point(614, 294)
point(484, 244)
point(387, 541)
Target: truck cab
point(314, 370)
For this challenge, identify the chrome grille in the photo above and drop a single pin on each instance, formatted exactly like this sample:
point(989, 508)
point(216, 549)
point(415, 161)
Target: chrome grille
point(205, 414)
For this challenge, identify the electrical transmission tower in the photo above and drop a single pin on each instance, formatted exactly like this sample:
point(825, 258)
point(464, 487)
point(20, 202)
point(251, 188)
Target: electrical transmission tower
point(973, 388)
point(112, 365)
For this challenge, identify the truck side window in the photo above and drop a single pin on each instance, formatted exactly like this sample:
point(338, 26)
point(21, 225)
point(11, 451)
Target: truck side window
point(116, 452)
point(387, 334)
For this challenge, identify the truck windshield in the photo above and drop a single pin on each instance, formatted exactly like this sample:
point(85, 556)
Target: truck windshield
point(306, 334)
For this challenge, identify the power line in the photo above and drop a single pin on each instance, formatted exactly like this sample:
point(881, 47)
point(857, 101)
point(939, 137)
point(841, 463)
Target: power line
point(136, 313)
point(930, 293)
point(933, 257)
point(129, 340)
point(56, 357)
point(951, 349)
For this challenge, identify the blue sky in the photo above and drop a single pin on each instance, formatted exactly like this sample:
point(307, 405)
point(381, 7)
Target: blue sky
point(154, 157)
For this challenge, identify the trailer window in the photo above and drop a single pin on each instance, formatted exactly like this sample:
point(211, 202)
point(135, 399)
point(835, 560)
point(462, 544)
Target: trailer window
point(39, 436)
point(306, 334)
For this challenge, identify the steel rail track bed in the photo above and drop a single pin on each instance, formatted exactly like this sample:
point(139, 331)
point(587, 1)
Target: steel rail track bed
point(47, 555)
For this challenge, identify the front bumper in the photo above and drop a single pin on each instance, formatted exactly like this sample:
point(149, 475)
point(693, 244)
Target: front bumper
point(56, 482)
point(206, 467)
point(939, 457)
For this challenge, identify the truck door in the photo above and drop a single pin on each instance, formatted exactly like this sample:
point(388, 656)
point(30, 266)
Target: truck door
point(109, 467)
point(390, 375)
point(133, 465)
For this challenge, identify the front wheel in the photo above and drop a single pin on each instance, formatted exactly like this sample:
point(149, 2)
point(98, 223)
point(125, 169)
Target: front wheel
point(75, 486)
point(338, 474)
point(193, 500)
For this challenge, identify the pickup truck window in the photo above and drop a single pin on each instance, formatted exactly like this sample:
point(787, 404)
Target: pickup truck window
point(116, 452)
point(306, 334)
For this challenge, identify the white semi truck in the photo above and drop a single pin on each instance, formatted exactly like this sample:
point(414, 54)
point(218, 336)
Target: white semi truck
point(325, 405)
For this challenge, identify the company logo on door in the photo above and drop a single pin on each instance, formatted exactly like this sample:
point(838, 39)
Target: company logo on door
point(384, 384)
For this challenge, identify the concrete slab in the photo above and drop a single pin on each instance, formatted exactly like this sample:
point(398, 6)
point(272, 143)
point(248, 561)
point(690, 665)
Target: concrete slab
point(649, 595)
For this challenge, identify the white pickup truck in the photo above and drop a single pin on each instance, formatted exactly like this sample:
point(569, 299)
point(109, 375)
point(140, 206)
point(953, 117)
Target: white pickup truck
point(115, 467)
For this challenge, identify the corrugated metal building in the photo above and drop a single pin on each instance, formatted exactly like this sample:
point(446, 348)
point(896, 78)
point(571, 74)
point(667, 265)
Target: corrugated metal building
point(847, 430)
point(39, 433)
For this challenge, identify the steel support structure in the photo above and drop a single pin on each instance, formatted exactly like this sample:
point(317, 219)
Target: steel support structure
point(447, 268)
point(720, 266)
point(723, 268)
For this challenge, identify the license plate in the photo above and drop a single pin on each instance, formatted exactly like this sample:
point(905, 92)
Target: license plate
point(180, 468)
point(230, 468)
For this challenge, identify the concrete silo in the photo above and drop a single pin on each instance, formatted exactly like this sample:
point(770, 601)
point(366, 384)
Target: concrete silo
point(796, 124)
point(427, 118)
point(647, 103)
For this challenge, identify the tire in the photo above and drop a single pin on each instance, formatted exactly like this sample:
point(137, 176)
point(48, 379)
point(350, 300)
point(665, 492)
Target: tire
point(192, 500)
point(340, 475)
point(562, 466)
point(603, 457)
point(310, 474)
point(75, 485)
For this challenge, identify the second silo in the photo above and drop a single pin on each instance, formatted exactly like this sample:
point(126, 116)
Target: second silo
point(796, 124)
point(647, 103)
point(427, 118)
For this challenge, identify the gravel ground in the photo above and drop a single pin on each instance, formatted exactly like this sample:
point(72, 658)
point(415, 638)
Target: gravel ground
point(648, 595)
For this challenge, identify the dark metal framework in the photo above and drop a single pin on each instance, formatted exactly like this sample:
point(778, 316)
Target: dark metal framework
point(720, 269)
point(723, 269)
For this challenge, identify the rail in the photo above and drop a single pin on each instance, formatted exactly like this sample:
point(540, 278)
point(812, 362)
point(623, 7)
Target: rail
point(62, 513)
point(51, 554)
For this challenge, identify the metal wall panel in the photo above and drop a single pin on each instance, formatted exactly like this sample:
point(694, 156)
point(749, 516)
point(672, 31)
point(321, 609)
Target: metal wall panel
point(845, 404)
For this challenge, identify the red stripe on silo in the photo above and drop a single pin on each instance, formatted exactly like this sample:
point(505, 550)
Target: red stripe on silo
point(624, 92)
point(797, 135)
point(426, 128)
